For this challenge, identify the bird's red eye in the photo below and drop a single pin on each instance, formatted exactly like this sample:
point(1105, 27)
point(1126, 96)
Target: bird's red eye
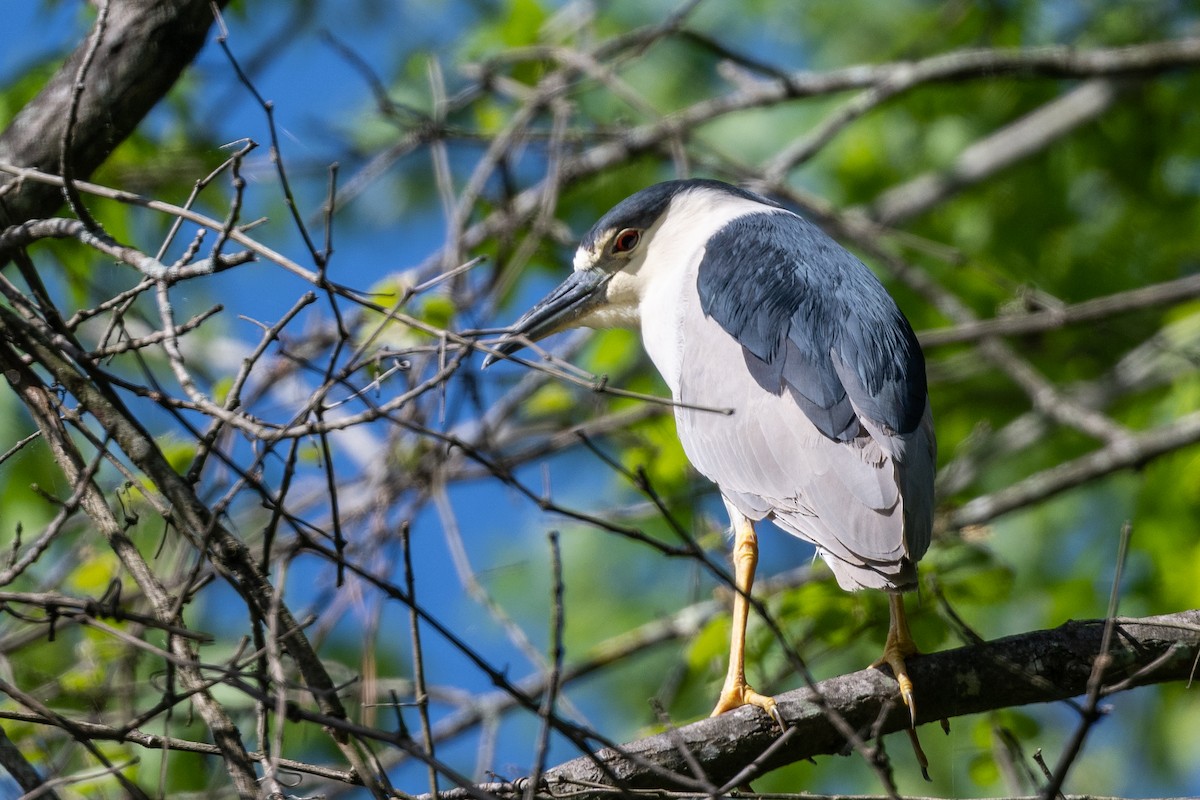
point(626, 240)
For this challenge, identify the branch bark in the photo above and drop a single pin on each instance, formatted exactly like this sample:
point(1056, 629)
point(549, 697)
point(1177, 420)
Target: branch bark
point(145, 48)
point(1038, 667)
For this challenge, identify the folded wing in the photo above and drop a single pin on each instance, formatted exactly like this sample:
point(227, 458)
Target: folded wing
point(839, 448)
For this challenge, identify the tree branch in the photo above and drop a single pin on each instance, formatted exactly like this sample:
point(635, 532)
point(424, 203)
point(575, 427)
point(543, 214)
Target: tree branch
point(1003, 148)
point(14, 761)
point(1097, 308)
point(1038, 667)
point(1054, 62)
point(146, 46)
point(1132, 451)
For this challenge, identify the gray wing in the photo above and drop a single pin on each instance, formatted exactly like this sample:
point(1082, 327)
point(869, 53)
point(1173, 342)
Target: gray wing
point(831, 433)
point(817, 321)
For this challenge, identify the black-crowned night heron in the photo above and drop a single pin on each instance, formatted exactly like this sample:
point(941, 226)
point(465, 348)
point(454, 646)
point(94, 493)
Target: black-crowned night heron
point(748, 307)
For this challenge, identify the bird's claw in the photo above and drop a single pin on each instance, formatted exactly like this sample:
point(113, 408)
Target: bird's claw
point(922, 760)
point(740, 694)
point(893, 655)
point(906, 694)
point(778, 717)
point(895, 661)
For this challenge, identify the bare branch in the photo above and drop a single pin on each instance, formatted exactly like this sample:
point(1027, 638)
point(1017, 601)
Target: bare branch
point(989, 155)
point(1037, 667)
point(24, 773)
point(1124, 454)
point(1141, 298)
point(58, 228)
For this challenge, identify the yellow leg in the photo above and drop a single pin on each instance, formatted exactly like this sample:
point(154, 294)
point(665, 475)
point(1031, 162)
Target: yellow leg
point(898, 645)
point(736, 692)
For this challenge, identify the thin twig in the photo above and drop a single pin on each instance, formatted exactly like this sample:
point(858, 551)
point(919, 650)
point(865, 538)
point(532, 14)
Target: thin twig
point(66, 158)
point(1091, 712)
point(557, 622)
point(420, 693)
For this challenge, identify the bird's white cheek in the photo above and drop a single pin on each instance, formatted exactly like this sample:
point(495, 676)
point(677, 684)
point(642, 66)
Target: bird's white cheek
point(620, 306)
point(617, 309)
point(624, 289)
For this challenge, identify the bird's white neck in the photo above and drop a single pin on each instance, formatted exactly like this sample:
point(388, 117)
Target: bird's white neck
point(665, 286)
point(658, 285)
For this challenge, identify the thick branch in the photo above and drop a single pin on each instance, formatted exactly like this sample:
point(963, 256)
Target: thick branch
point(146, 46)
point(1037, 667)
point(14, 762)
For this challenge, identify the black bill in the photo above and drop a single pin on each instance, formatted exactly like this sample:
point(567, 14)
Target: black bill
point(572, 298)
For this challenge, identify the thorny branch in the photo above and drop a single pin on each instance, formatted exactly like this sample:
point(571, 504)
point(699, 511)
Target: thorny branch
point(199, 469)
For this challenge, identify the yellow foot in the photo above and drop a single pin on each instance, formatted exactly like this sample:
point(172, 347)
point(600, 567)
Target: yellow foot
point(900, 644)
point(740, 694)
point(893, 656)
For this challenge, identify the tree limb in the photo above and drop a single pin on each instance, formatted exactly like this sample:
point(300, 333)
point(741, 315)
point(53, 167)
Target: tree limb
point(1038, 667)
point(999, 150)
point(1097, 308)
point(24, 773)
point(1131, 452)
point(146, 46)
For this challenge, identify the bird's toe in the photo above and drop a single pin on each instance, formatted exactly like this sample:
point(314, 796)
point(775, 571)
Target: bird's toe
point(740, 694)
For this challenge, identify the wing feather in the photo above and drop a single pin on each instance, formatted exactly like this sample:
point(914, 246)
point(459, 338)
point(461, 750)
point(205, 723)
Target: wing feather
point(833, 451)
point(817, 322)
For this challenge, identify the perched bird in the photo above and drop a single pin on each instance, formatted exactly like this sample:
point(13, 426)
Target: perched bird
point(748, 308)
